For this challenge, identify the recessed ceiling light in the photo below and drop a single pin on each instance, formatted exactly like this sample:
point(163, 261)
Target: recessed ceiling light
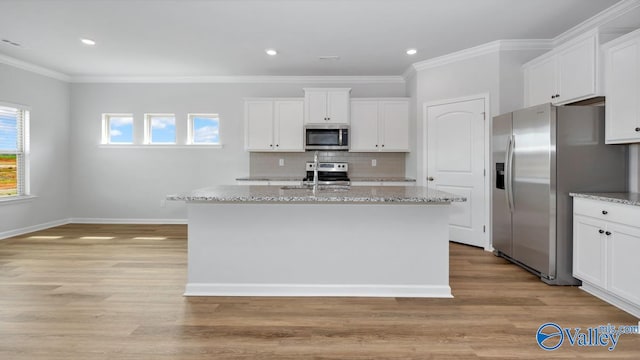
point(88, 42)
point(329, 57)
point(412, 52)
point(271, 52)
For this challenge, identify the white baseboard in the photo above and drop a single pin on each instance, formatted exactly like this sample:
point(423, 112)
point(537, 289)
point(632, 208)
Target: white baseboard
point(419, 291)
point(29, 229)
point(126, 221)
point(632, 309)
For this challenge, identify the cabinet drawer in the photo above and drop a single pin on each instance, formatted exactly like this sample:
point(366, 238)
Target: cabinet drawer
point(604, 210)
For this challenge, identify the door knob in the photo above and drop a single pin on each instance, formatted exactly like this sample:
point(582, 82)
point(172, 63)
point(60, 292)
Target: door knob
point(430, 178)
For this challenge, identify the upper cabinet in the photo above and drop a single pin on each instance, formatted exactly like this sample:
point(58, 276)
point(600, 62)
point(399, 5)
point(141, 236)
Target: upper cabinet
point(566, 74)
point(379, 125)
point(274, 124)
point(622, 73)
point(326, 105)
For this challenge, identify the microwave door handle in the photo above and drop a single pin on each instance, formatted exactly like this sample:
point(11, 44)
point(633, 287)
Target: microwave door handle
point(339, 137)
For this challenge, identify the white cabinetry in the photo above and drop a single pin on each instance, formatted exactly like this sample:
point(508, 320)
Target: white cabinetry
point(566, 74)
point(379, 125)
point(274, 124)
point(606, 246)
point(326, 105)
point(622, 73)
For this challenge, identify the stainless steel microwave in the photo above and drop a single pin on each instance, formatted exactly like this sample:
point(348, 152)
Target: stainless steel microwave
point(326, 137)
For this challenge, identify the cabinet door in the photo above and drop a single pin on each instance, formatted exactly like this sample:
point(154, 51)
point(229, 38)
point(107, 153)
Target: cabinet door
point(623, 265)
point(364, 126)
point(577, 71)
point(289, 125)
point(338, 107)
point(259, 125)
point(315, 107)
point(589, 250)
point(623, 92)
point(541, 82)
point(394, 125)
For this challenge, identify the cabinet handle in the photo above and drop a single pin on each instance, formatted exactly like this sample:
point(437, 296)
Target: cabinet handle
point(270, 145)
point(604, 212)
point(638, 129)
point(608, 233)
point(557, 95)
point(553, 96)
point(601, 231)
point(382, 145)
point(277, 145)
point(376, 145)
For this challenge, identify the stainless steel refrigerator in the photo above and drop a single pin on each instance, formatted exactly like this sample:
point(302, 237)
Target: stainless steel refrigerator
point(539, 155)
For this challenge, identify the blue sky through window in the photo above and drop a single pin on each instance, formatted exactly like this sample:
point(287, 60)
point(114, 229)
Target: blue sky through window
point(8, 129)
point(163, 130)
point(206, 130)
point(121, 130)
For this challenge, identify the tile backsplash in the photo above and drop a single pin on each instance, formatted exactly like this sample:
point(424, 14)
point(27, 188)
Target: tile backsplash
point(267, 164)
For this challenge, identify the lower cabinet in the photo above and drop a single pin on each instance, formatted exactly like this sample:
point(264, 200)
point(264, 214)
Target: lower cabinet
point(606, 248)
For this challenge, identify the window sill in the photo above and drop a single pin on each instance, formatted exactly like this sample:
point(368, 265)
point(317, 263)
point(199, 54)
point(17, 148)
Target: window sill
point(6, 200)
point(159, 146)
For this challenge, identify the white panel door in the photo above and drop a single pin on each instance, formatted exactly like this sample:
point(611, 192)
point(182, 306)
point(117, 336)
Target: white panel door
point(622, 261)
point(364, 126)
point(338, 107)
point(589, 249)
point(541, 82)
point(259, 123)
point(455, 163)
point(394, 123)
point(289, 125)
point(316, 107)
point(577, 71)
point(623, 92)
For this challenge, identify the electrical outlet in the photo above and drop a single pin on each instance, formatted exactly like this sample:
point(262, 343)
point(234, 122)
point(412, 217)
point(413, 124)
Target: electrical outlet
point(281, 162)
point(374, 162)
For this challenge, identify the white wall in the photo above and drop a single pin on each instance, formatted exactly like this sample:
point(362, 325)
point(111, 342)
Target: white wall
point(130, 183)
point(49, 103)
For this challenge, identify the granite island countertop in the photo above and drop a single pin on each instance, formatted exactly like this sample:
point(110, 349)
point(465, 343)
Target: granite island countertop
point(354, 194)
point(627, 198)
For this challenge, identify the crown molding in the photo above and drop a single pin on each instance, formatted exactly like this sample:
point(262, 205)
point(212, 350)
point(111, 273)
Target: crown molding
point(599, 19)
point(20, 64)
point(241, 79)
point(487, 48)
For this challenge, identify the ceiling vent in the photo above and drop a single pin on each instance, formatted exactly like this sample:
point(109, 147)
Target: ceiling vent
point(10, 42)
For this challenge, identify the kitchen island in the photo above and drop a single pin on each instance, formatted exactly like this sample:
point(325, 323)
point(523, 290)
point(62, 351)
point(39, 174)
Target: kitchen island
point(294, 241)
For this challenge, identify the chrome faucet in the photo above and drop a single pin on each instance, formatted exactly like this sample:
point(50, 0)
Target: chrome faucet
point(315, 171)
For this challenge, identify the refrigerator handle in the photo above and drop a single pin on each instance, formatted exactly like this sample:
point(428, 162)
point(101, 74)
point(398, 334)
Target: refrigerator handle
point(509, 172)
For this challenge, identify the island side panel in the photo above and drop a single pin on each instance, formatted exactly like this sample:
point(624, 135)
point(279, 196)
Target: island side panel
point(254, 249)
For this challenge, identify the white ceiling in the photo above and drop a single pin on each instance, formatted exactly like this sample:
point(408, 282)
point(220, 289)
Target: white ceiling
point(228, 37)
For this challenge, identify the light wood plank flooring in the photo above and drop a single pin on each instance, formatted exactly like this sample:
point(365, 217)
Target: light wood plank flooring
point(115, 292)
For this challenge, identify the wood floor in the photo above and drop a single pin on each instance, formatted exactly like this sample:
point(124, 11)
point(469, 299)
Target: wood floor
point(115, 292)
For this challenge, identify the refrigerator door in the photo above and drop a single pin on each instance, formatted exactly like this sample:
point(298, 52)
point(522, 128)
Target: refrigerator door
point(500, 214)
point(534, 201)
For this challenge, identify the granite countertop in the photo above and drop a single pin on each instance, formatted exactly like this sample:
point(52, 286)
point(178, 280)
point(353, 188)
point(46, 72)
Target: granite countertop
point(299, 178)
point(628, 198)
point(382, 178)
point(355, 194)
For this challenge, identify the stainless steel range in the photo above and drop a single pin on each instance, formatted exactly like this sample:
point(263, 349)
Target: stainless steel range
point(329, 173)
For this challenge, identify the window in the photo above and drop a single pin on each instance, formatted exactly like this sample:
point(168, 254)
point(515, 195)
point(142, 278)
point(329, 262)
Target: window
point(204, 129)
point(117, 129)
point(160, 129)
point(14, 151)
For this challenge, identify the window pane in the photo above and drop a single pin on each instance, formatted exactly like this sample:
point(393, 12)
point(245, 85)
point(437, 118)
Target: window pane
point(163, 130)
point(8, 175)
point(120, 130)
point(206, 130)
point(8, 128)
